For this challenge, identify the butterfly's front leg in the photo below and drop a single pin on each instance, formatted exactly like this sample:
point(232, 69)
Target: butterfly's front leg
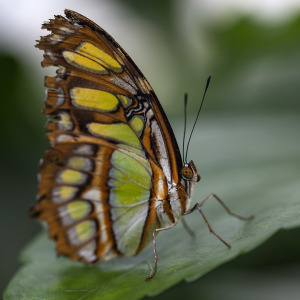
point(154, 248)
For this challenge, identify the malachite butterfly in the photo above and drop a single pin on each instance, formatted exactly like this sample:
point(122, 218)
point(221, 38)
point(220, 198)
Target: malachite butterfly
point(113, 176)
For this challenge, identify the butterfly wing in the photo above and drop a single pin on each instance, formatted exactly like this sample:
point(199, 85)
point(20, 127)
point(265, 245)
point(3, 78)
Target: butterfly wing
point(112, 148)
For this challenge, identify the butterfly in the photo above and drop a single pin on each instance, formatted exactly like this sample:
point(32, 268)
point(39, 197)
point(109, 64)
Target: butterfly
point(113, 176)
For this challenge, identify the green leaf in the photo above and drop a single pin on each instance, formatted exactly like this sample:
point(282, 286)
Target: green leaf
point(251, 162)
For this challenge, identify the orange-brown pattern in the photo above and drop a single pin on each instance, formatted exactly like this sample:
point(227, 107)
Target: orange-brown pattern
point(101, 111)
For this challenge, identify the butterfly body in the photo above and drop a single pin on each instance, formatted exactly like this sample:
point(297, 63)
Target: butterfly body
point(113, 174)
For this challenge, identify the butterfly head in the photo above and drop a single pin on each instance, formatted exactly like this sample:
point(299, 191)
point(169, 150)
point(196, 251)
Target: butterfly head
point(189, 177)
point(189, 172)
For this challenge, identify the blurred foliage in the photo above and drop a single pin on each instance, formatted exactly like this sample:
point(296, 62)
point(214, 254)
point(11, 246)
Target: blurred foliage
point(21, 143)
point(156, 11)
point(20, 111)
point(256, 70)
point(257, 66)
point(254, 66)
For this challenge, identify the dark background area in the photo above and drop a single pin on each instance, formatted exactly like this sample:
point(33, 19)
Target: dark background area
point(255, 66)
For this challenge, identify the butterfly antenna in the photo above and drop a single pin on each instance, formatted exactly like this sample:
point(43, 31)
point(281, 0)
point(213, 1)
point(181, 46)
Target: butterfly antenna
point(207, 84)
point(184, 130)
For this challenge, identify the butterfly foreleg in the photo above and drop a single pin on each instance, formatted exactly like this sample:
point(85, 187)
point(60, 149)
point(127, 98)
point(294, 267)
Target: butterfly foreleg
point(154, 248)
point(198, 207)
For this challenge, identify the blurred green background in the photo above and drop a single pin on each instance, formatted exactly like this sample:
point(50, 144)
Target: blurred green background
point(252, 51)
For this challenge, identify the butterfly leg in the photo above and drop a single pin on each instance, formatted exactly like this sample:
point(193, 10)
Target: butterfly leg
point(154, 249)
point(198, 207)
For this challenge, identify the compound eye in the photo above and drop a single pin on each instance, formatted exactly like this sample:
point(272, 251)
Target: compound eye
point(187, 173)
